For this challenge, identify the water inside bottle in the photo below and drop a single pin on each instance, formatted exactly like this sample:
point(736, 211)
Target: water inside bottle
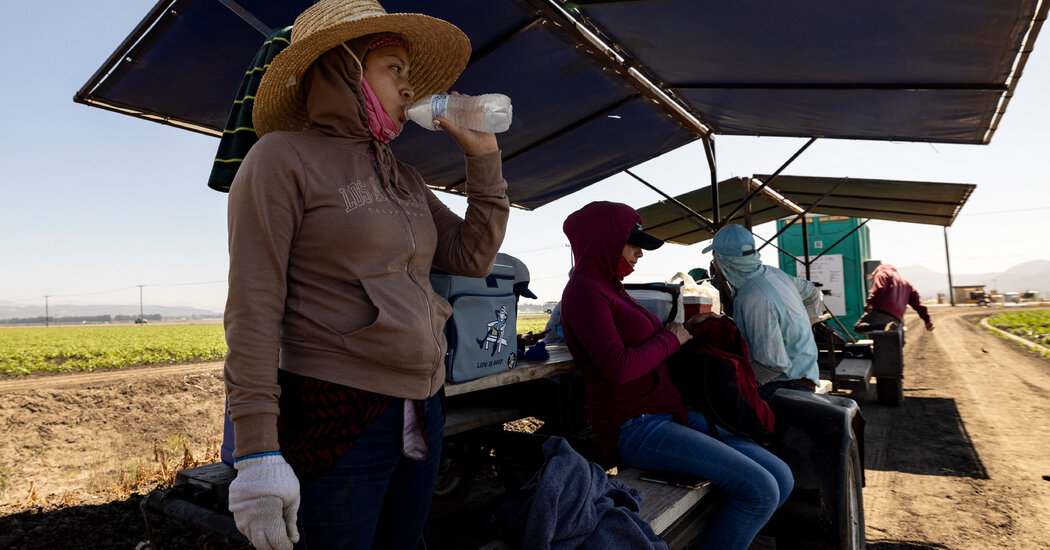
point(486, 112)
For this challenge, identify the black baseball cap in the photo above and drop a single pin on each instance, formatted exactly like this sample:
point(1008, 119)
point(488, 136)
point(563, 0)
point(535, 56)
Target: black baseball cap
point(642, 239)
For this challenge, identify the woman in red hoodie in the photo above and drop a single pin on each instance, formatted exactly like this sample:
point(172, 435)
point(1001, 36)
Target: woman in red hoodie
point(636, 412)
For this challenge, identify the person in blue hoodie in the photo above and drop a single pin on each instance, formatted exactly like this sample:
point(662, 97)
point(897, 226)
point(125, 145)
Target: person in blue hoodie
point(774, 312)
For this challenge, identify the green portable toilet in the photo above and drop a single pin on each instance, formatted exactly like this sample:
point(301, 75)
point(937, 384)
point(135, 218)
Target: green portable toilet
point(844, 249)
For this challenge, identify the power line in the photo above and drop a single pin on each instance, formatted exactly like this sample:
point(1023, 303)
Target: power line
point(961, 214)
point(188, 284)
point(98, 292)
point(557, 247)
point(75, 295)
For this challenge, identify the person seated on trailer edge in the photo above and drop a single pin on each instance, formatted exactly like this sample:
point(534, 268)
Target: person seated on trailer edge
point(621, 351)
point(774, 312)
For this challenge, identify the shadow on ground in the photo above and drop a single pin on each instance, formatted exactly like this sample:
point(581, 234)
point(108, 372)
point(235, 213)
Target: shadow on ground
point(929, 438)
point(115, 524)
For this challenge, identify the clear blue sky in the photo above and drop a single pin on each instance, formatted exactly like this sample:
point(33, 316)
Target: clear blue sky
point(94, 203)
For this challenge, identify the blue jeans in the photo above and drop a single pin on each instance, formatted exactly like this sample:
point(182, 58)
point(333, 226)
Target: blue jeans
point(373, 496)
point(755, 481)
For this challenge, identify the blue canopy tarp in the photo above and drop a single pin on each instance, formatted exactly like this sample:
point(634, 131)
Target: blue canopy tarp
point(675, 71)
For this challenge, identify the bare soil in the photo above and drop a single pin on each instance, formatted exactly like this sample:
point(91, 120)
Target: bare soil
point(962, 464)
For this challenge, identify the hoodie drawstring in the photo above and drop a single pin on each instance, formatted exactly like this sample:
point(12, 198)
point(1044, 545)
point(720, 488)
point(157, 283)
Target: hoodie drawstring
point(386, 166)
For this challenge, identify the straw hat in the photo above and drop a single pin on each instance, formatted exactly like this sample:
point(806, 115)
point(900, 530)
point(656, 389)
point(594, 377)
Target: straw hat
point(438, 53)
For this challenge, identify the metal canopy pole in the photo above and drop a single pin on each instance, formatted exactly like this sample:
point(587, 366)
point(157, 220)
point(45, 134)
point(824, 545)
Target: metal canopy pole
point(161, 9)
point(605, 53)
point(844, 237)
point(781, 250)
point(247, 16)
point(709, 150)
point(759, 189)
point(803, 213)
point(948, 259)
point(746, 183)
point(676, 202)
point(805, 244)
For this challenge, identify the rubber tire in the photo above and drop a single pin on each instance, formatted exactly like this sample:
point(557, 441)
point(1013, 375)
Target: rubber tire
point(850, 512)
point(853, 503)
point(456, 474)
point(890, 391)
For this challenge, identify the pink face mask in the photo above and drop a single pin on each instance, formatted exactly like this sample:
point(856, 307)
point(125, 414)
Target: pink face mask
point(379, 122)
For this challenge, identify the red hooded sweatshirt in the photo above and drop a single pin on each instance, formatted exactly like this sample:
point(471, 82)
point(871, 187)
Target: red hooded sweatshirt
point(620, 348)
point(892, 294)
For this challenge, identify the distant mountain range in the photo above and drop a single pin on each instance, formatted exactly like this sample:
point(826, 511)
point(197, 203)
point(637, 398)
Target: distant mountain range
point(10, 310)
point(1033, 275)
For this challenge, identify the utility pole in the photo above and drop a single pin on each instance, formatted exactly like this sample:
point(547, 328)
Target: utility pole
point(141, 318)
point(948, 260)
point(46, 323)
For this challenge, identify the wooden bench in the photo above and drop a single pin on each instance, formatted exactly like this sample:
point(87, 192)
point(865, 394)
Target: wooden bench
point(464, 419)
point(676, 514)
point(560, 362)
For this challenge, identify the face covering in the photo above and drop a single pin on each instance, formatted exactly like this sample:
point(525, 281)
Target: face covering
point(379, 122)
point(623, 269)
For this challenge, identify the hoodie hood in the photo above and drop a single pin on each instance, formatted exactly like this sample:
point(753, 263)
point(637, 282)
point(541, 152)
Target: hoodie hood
point(738, 270)
point(336, 105)
point(883, 272)
point(887, 277)
point(598, 233)
point(334, 99)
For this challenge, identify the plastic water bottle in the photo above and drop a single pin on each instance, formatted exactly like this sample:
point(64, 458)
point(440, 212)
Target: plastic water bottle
point(485, 113)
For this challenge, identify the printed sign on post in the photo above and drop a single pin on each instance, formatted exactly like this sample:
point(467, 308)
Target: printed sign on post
point(827, 271)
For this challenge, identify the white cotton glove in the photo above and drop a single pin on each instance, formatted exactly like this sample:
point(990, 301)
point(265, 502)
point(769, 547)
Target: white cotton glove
point(264, 499)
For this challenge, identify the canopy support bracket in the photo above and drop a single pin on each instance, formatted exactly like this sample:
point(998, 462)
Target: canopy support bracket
point(802, 214)
point(247, 16)
point(694, 215)
point(612, 57)
point(781, 201)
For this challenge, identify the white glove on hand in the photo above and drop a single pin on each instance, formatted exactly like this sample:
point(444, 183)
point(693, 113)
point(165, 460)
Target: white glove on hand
point(264, 499)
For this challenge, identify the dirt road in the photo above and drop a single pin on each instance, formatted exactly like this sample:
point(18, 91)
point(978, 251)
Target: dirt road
point(964, 462)
point(959, 466)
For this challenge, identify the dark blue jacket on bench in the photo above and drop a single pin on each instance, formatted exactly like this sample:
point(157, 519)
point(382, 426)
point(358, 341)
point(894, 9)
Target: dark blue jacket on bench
point(571, 503)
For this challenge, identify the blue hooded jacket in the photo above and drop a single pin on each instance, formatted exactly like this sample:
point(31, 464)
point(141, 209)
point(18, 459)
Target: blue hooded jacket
point(773, 311)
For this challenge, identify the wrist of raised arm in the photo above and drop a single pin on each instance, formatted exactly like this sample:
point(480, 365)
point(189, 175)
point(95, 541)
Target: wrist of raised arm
point(485, 175)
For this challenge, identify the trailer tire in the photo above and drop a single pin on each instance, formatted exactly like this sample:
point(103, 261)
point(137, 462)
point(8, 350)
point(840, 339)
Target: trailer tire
point(853, 502)
point(460, 463)
point(890, 391)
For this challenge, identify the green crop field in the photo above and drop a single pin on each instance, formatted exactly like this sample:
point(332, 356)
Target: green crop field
point(66, 349)
point(534, 322)
point(1031, 325)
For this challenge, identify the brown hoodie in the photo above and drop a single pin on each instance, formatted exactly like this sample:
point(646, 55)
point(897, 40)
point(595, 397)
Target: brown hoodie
point(330, 254)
